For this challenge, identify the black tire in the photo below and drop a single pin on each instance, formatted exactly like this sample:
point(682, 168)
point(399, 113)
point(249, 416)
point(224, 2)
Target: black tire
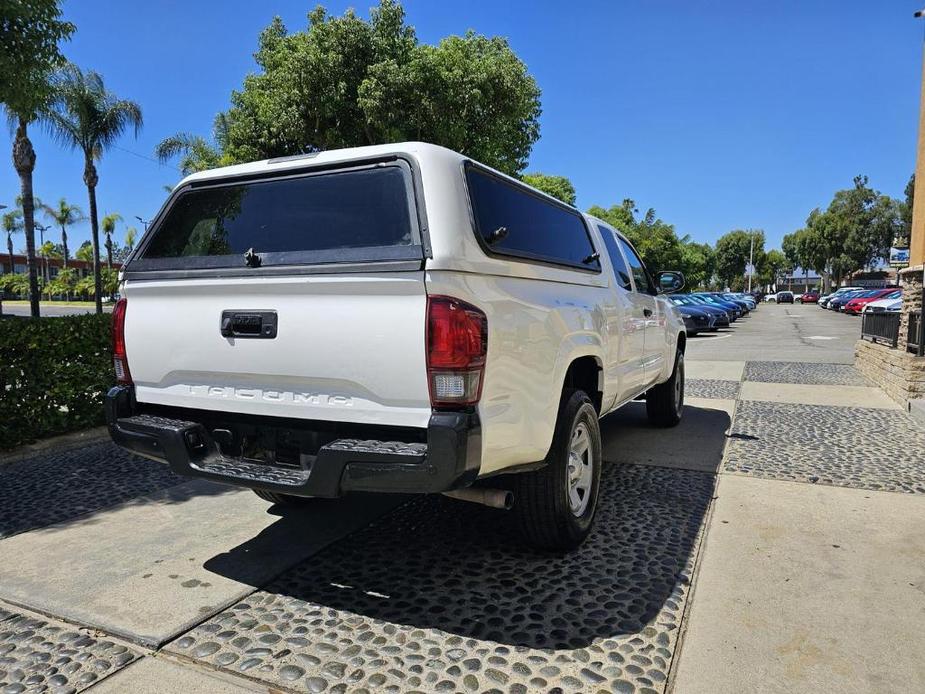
point(282, 499)
point(542, 508)
point(665, 402)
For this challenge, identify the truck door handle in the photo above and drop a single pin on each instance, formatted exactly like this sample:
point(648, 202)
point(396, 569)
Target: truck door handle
point(253, 324)
point(647, 312)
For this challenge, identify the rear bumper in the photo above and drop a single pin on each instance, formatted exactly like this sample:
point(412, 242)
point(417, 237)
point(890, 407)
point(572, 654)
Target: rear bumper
point(450, 458)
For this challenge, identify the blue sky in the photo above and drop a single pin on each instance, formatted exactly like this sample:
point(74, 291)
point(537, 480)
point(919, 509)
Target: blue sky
point(721, 115)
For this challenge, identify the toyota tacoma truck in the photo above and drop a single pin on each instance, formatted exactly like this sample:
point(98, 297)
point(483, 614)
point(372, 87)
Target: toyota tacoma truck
point(389, 319)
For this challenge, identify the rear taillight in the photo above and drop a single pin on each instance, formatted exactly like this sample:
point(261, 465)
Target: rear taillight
point(457, 341)
point(119, 358)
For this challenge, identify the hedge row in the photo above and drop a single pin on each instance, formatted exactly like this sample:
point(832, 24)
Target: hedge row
point(53, 375)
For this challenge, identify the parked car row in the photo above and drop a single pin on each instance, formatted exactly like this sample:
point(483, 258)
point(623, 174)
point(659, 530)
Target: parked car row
point(857, 300)
point(710, 311)
point(783, 297)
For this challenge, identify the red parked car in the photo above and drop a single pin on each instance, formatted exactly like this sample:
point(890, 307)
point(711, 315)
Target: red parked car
point(857, 304)
point(810, 297)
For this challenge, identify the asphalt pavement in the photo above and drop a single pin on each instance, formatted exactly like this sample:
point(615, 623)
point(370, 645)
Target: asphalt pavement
point(49, 310)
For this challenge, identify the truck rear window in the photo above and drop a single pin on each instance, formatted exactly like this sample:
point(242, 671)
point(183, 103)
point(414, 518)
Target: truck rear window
point(514, 221)
point(321, 217)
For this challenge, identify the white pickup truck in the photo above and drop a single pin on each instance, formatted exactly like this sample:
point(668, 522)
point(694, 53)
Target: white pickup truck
point(395, 318)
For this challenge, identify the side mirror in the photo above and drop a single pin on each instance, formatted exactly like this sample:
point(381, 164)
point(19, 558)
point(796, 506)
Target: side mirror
point(669, 281)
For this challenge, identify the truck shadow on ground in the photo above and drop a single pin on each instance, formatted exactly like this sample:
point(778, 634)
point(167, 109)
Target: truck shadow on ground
point(697, 443)
point(437, 563)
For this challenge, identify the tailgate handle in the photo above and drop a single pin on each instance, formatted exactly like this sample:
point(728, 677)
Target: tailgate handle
point(252, 324)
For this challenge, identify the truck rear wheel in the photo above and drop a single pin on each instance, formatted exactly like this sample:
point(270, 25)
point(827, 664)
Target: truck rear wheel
point(555, 505)
point(665, 402)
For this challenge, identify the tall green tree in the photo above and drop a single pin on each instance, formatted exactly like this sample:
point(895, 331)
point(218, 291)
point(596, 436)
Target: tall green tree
point(698, 263)
point(773, 264)
point(64, 215)
point(905, 210)
point(87, 117)
point(109, 228)
point(344, 82)
point(732, 254)
point(30, 33)
point(854, 232)
point(558, 187)
point(865, 222)
point(654, 239)
point(12, 224)
point(131, 234)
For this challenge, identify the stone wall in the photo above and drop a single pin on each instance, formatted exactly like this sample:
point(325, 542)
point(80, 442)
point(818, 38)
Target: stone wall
point(910, 280)
point(900, 374)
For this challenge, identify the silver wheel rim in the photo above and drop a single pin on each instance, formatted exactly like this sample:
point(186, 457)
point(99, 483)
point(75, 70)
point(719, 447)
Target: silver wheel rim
point(580, 469)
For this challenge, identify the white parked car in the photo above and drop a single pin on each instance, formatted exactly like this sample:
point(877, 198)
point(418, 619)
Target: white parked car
point(891, 303)
point(395, 318)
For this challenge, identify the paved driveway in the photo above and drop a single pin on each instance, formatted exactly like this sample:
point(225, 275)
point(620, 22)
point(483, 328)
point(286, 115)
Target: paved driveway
point(772, 542)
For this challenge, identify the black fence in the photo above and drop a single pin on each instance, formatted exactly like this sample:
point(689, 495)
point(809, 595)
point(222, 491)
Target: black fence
point(915, 338)
point(881, 327)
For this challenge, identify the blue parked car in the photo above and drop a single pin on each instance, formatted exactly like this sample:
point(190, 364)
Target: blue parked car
point(738, 309)
point(837, 303)
point(696, 320)
point(726, 297)
point(721, 316)
point(738, 296)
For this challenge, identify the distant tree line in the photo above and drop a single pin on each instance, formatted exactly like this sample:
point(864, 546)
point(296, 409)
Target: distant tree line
point(852, 234)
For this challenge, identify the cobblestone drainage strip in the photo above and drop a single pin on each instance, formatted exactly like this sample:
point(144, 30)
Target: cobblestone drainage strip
point(40, 656)
point(803, 373)
point(859, 447)
point(441, 596)
point(711, 388)
point(55, 486)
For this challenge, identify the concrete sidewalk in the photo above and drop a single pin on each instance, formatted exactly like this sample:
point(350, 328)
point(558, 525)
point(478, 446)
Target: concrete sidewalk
point(807, 588)
point(811, 577)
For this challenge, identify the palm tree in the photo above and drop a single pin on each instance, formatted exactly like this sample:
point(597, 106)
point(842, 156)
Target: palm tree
point(24, 163)
point(109, 226)
point(130, 235)
point(85, 252)
point(195, 152)
point(64, 215)
point(47, 250)
point(12, 224)
point(85, 116)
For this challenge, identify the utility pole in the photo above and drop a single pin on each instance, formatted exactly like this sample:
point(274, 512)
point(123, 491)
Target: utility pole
point(751, 259)
point(42, 229)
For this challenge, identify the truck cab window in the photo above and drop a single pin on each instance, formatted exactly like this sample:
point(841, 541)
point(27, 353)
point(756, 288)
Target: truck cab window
point(640, 276)
point(616, 258)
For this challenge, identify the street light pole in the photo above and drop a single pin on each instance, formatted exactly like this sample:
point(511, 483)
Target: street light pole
point(146, 223)
point(751, 258)
point(42, 229)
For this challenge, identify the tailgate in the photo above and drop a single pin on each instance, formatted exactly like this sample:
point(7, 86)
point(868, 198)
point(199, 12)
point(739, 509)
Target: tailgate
point(348, 348)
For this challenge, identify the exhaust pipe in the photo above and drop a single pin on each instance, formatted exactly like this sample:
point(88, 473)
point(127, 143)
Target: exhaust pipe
point(494, 498)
